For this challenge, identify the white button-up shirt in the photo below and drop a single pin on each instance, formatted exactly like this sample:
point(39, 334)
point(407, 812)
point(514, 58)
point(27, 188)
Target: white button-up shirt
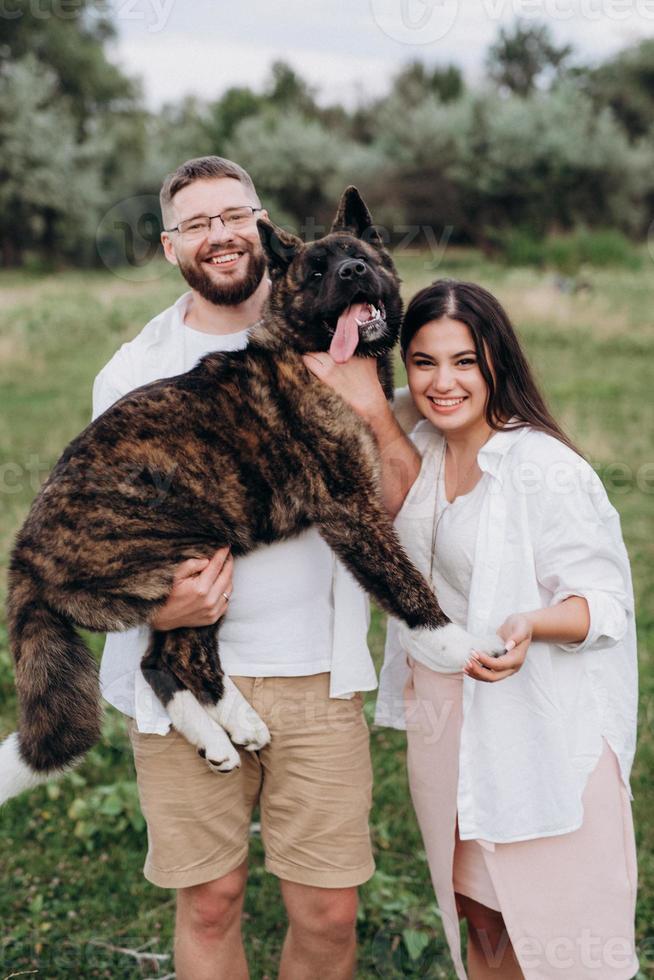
point(159, 352)
point(546, 531)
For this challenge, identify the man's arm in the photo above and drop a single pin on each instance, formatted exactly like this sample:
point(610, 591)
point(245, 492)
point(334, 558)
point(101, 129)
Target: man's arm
point(357, 382)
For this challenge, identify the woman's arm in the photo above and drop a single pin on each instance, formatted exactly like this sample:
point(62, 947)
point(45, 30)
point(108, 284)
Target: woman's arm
point(566, 622)
point(579, 559)
point(357, 383)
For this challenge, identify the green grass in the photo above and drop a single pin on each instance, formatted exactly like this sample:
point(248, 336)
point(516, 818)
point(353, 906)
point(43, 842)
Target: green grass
point(71, 854)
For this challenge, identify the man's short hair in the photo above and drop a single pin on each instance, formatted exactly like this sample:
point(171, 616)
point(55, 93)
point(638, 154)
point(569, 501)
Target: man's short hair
point(201, 168)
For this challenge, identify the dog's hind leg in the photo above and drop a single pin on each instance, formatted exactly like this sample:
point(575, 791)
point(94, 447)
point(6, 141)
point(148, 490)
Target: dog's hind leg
point(183, 669)
point(238, 717)
point(187, 713)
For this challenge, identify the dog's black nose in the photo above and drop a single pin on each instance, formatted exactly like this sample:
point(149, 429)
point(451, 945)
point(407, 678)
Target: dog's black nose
point(352, 268)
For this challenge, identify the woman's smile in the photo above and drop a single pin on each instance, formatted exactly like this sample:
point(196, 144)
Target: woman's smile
point(446, 405)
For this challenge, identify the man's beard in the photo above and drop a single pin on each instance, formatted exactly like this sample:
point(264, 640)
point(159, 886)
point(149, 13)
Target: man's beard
point(229, 293)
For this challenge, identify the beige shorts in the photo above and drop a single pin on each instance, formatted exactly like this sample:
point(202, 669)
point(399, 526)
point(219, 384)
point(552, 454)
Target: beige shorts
point(313, 784)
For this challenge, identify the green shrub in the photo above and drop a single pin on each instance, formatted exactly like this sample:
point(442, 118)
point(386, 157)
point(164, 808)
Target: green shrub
point(605, 247)
point(568, 253)
point(519, 248)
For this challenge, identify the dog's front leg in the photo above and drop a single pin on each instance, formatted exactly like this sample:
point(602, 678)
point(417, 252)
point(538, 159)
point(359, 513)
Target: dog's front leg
point(360, 532)
point(364, 539)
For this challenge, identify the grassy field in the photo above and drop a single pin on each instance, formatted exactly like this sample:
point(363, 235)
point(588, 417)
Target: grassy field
point(73, 902)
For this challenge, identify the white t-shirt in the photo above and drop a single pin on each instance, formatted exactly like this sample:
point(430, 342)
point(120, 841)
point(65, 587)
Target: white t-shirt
point(294, 609)
point(457, 523)
point(197, 344)
point(279, 619)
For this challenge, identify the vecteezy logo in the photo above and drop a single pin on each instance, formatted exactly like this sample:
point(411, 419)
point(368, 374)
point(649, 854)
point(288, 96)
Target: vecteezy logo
point(415, 21)
point(127, 238)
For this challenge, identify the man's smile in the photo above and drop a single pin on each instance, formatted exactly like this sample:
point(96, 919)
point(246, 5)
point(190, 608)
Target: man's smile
point(224, 259)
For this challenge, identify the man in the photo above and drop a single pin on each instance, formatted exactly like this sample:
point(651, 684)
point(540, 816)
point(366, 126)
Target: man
point(293, 640)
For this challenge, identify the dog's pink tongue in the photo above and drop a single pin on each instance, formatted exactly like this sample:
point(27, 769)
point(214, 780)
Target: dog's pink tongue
point(346, 335)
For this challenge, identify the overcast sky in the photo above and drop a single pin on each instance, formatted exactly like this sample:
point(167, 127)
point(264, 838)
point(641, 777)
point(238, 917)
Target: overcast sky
point(348, 49)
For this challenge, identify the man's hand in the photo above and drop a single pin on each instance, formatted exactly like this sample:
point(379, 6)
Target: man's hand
point(517, 631)
point(356, 381)
point(199, 594)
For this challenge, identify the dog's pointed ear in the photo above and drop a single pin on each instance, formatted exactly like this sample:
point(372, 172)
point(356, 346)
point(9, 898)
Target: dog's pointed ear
point(352, 215)
point(280, 247)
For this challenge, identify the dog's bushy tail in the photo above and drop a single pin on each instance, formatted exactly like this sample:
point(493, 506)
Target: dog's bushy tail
point(58, 691)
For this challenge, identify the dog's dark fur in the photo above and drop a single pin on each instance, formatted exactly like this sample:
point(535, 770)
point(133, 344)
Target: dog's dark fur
point(247, 448)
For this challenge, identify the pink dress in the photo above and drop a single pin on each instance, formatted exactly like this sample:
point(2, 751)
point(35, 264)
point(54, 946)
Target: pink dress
point(568, 901)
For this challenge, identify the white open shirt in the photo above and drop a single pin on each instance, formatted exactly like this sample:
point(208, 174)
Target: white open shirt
point(547, 531)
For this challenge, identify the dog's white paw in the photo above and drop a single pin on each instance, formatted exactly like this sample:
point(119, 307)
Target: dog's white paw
point(238, 717)
point(219, 753)
point(245, 730)
point(447, 649)
point(492, 644)
point(452, 645)
point(194, 722)
point(251, 736)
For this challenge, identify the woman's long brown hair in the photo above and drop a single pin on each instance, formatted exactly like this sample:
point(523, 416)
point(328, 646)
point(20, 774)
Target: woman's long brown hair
point(512, 390)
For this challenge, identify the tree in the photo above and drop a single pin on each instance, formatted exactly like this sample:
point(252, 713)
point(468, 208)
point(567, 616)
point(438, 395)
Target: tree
point(415, 82)
point(49, 183)
point(68, 40)
point(286, 90)
point(237, 104)
point(626, 84)
point(522, 59)
point(298, 167)
point(551, 162)
point(72, 129)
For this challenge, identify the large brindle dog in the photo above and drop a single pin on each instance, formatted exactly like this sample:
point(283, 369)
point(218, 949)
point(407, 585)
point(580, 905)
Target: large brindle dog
point(246, 449)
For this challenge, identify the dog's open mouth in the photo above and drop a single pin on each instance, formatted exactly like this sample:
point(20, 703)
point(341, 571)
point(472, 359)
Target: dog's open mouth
point(357, 321)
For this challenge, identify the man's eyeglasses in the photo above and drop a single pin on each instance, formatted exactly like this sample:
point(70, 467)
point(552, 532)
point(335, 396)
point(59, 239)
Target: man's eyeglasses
point(232, 219)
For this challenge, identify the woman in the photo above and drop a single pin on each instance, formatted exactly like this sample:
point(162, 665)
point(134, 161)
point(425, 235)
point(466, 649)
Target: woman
point(519, 765)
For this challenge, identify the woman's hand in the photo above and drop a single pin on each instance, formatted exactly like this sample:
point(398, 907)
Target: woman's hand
point(356, 381)
point(517, 631)
point(199, 596)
